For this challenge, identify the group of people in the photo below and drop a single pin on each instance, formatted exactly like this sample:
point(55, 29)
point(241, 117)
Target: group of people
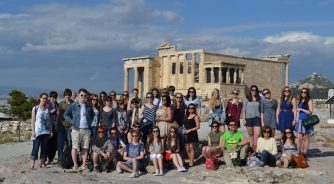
point(122, 132)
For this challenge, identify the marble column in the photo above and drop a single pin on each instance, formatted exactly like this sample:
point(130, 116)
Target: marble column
point(220, 75)
point(140, 82)
point(242, 76)
point(212, 75)
point(286, 74)
point(228, 76)
point(234, 76)
point(135, 79)
point(193, 70)
point(126, 79)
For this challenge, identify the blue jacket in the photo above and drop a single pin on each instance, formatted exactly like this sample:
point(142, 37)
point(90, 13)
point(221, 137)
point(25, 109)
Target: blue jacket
point(72, 114)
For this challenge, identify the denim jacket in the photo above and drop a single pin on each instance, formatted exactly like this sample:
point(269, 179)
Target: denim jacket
point(72, 114)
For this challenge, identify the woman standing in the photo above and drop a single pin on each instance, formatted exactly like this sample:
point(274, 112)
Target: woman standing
point(251, 111)
point(108, 114)
point(113, 96)
point(179, 111)
point(147, 115)
point(268, 110)
point(191, 125)
point(41, 130)
point(156, 96)
point(234, 108)
point(217, 110)
point(304, 110)
point(191, 98)
point(121, 120)
point(96, 119)
point(102, 99)
point(125, 96)
point(286, 110)
point(164, 116)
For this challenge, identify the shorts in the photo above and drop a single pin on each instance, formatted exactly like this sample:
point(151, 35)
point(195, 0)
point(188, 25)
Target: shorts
point(80, 138)
point(167, 156)
point(155, 155)
point(129, 164)
point(253, 122)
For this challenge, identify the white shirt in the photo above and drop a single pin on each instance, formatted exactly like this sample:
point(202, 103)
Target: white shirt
point(83, 118)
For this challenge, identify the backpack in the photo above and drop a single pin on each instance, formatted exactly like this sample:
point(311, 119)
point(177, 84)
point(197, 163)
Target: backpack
point(66, 158)
point(252, 161)
point(211, 163)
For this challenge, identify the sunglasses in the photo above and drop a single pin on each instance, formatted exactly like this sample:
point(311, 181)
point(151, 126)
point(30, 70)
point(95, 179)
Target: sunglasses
point(265, 93)
point(83, 95)
point(191, 91)
point(149, 97)
point(100, 132)
point(233, 125)
point(135, 135)
point(235, 93)
point(155, 131)
point(286, 90)
point(214, 126)
point(303, 92)
point(267, 131)
point(178, 97)
point(288, 132)
point(254, 90)
point(94, 99)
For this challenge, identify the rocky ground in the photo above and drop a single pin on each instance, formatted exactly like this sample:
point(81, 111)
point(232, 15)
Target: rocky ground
point(14, 167)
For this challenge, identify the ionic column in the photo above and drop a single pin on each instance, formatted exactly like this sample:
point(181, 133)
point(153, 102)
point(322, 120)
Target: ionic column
point(242, 76)
point(234, 76)
point(227, 76)
point(126, 79)
point(220, 77)
point(135, 79)
point(286, 74)
point(212, 75)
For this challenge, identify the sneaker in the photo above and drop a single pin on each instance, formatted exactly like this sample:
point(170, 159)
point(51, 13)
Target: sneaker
point(138, 173)
point(119, 170)
point(279, 163)
point(133, 175)
point(285, 163)
point(84, 168)
point(180, 170)
point(184, 169)
point(96, 169)
point(156, 173)
point(161, 173)
point(75, 168)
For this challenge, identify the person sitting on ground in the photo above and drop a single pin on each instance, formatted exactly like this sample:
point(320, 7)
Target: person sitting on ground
point(172, 149)
point(289, 148)
point(133, 154)
point(135, 128)
point(234, 145)
point(101, 146)
point(267, 147)
point(156, 149)
point(117, 143)
point(213, 141)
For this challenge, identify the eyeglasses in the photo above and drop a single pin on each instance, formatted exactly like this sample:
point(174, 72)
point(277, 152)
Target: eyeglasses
point(100, 132)
point(233, 125)
point(83, 95)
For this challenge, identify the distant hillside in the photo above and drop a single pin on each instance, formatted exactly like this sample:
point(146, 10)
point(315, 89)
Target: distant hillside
point(34, 92)
point(318, 84)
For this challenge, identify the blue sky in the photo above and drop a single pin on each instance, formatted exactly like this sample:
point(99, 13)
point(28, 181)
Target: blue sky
point(80, 43)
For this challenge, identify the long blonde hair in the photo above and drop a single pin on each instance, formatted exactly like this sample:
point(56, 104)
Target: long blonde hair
point(213, 100)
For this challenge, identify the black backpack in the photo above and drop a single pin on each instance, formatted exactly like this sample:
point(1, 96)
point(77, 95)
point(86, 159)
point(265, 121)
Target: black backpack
point(66, 159)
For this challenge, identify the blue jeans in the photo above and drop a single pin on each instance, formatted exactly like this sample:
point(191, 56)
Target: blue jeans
point(267, 158)
point(63, 137)
point(93, 131)
point(146, 133)
point(40, 141)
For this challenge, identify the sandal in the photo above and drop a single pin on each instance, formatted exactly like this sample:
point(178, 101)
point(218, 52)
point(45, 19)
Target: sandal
point(42, 164)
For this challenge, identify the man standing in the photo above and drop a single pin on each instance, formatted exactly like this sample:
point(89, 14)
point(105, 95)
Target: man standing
point(134, 96)
point(63, 127)
point(80, 115)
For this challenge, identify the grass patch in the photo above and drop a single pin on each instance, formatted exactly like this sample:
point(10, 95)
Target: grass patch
point(7, 138)
point(27, 136)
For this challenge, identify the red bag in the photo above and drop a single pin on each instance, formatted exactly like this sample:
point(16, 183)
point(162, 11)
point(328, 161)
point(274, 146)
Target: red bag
point(211, 163)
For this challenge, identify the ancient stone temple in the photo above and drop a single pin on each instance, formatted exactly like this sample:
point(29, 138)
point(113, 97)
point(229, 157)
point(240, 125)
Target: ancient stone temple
point(205, 71)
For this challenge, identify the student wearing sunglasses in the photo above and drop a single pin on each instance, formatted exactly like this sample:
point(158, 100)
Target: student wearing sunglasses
point(213, 141)
point(102, 147)
point(233, 143)
point(267, 147)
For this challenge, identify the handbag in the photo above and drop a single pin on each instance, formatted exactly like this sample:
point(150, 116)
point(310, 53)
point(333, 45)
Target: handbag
point(310, 121)
point(211, 163)
point(145, 123)
point(300, 161)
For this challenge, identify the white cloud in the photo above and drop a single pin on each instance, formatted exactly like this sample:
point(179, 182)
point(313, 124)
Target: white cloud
point(292, 37)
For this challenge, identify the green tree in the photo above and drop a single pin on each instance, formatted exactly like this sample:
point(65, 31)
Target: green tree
point(20, 104)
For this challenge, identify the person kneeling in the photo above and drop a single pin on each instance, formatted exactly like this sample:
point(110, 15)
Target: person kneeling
point(133, 154)
point(102, 147)
point(234, 146)
point(267, 147)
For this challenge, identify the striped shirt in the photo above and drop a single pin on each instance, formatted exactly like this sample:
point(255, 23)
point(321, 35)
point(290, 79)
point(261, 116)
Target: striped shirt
point(149, 113)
